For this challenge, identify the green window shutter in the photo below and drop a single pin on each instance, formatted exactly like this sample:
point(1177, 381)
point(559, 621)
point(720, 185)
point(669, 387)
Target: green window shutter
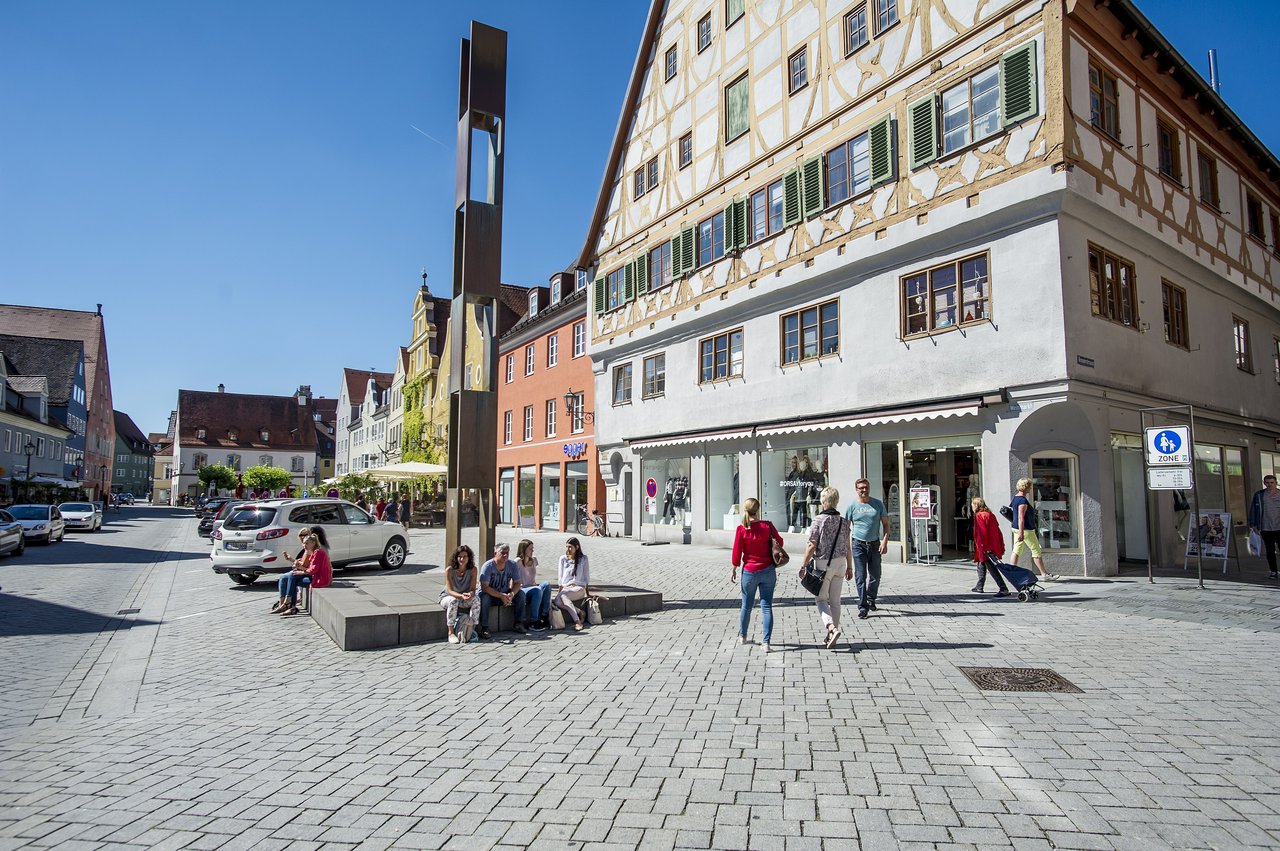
point(884, 158)
point(812, 197)
point(689, 251)
point(677, 272)
point(740, 222)
point(629, 281)
point(642, 274)
point(737, 109)
point(791, 214)
point(1019, 96)
point(730, 241)
point(599, 294)
point(922, 132)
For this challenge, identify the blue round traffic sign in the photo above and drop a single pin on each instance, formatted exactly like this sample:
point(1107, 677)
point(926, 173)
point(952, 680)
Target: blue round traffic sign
point(1167, 442)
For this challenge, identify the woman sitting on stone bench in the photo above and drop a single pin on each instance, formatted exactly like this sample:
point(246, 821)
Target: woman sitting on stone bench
point(574, 581)
point(461, 591)
point(313, 569)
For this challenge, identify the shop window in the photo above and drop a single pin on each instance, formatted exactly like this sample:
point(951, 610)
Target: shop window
point(945, 296)
point(1056, 500)
point(723, 508)
point(575, 484)
point(527, 497)
point(1113, 288)
point(811, 333)
point(550, 496)
point(1233, 480)
point(506, 495)
point(791, 481)
point(721, 357)
point(674, 497)
point(1210, 478)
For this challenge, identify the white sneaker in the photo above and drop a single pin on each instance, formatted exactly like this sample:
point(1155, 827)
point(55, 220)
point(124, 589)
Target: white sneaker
point(453, 639)
point(765, 647)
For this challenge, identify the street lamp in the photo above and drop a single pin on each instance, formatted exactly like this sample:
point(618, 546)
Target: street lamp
point(571, 403)
point(29, 449)
point(102, 476)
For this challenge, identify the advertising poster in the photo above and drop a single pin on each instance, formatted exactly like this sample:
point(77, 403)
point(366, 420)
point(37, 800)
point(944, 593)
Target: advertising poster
point(1210, 538)
point(920, 504)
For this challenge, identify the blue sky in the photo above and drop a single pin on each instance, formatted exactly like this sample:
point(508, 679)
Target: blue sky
point(242, 187)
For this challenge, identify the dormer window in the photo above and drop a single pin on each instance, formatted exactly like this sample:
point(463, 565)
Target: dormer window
point(533, 302)
point(233, 434)
point(200, 434)
point(266, 435)
point(580, 283)
point(555, 290)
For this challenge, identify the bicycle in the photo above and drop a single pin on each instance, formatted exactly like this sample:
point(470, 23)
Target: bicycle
point(590, 524)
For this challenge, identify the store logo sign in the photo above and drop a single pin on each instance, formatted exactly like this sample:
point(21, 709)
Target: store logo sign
point(573, 450)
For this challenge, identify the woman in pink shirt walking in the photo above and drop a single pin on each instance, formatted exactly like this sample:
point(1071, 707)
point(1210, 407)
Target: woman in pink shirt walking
point(753, 550)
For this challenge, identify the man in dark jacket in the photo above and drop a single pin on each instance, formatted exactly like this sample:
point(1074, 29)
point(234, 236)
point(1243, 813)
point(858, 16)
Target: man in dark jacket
point(1264, 518)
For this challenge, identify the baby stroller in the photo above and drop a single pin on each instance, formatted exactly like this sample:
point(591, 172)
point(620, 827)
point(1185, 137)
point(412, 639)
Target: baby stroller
point(1022, 580)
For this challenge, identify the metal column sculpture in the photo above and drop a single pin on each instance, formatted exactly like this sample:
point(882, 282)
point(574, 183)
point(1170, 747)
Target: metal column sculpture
point(477, 269)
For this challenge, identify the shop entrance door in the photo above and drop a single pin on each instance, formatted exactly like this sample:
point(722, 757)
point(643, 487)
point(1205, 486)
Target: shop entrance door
point(954, 476)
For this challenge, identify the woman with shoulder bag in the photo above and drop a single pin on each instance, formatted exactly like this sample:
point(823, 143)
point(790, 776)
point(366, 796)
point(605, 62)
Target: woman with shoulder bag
point(829, 536)
point(753, 546)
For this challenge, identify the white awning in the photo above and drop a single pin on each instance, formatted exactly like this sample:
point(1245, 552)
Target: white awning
point(694, 438)
point(407, 470)
point(905, 416)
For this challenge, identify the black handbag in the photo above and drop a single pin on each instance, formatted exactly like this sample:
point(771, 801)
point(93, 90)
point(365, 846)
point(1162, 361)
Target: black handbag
point(812, 578)
point(1006, 512)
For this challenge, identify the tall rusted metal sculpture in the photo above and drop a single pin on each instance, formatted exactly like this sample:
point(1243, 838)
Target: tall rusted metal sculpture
point(477, 271)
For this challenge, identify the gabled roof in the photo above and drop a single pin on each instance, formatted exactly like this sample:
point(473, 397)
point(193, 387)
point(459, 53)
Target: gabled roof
point(289, 425)
point(357, 381)
point(45, 322)
point(513, 302)
point(129, 432)
point(442, 308)
point(326, 408)
point(620, 133)
point(56, 359)
point(29, 385)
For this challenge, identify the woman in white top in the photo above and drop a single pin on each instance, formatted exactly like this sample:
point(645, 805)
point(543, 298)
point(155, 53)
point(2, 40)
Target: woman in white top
point(574, 581)
point(537, 595)
point(829, 546)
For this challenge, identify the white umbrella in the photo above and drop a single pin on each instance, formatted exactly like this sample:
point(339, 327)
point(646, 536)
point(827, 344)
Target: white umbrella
point(407, 470)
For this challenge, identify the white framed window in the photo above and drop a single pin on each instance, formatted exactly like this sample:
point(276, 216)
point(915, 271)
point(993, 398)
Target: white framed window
point(579, 339)
point(551, 418)
point(578, 419)
point(528, 423)
point(506, 427)
point(200, 433)
point(622, 384)
point(264, 460)
point(529, 357)
point(971, 110)
point(580, 280)
point(555, 290)
point(266, 436)
point(533, 301)
point(553, 350)
point(511, 368)
point(8, 440)
point(295, 464)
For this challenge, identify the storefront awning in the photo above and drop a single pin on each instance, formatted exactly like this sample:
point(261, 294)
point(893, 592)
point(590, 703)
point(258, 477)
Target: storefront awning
point(903, 416)
point(693, 438)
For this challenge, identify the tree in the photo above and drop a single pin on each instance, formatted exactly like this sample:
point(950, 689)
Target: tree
point(271, 478)
point(352, 485)
point(218, 475)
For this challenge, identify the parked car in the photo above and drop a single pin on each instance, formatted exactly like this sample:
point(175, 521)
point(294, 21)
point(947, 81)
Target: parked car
point(250, 542)
point(40, 522)
point(82, 515)
point(209, 522)
point(126, 498)
point(210, 506)
point(12, 539)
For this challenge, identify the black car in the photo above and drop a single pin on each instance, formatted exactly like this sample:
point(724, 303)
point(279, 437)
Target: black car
point(210, 507)
point(207, 521)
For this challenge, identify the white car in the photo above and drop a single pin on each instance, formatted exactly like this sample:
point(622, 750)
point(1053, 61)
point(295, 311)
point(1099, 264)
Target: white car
point(253, 537)
point(40, 522)
point(81, 515)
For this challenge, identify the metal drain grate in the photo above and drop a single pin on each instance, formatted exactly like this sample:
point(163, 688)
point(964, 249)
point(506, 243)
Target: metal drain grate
point(1019, 679)
point(128, 611)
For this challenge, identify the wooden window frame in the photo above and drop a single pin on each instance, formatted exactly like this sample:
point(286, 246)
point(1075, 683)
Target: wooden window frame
point(1275, 231)
point(638, 188)
point(818, 324)
point(849, 47)
point(651, 168)
point(613, 289)
point(623, 374)
point(652, 388)
point(1241, 345)
point(730, 20)
point(703, 37)
point(985, 310)
point(802, 57)
point(685, 150)
point(971, 137)
point(1254, 225)
point(1275, 356)
point(714, 257)
point(1098, 118)
point(727, 336)
point(769, 228)
point(671, 62)
point(645, 178)
point(885, 9)
point(743, 80)
point(660, 268)
point(847, 183)
point(1173, 301)
point(1207, 162)
point(1172, 158)
point(1101, 288)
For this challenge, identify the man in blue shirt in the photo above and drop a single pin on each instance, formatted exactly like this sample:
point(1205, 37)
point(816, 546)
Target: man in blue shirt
point(499, 586)
point(865, 514)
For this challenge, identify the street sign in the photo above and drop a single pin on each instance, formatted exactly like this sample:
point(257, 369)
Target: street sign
point(1169, 478)
point(650, 504)
point(1167, 445)
point(651, 489)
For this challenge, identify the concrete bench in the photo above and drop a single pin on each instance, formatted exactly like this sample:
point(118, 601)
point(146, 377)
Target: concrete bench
point(361, 619)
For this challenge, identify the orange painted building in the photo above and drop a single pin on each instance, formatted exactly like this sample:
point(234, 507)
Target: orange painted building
point(548, 467)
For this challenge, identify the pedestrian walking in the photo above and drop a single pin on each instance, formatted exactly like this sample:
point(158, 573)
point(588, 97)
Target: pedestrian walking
point(405, 511)
point(362, 503)
point(988, 542)
point(753, 551)
point(380, 508)
point(869, 524)
point(1024, 529)
point(830, 535)
point(461, 591)
point(391, 513)
point(1264, 518)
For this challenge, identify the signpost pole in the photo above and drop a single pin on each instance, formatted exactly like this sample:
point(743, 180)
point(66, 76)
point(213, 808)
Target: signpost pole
point(1153, 505)
point(1195, 493)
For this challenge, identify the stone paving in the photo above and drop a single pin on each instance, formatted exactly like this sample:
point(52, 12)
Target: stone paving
point(204, 722)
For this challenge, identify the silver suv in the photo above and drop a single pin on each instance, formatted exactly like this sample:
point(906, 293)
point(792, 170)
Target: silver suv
point(252, 538)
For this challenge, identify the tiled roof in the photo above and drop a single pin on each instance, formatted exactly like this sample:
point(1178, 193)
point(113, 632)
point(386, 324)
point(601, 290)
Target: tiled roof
point(128, 431)
point(441, 311)
point(326, 408)
point(514, 301)
point(53, 358)
point(28, 385)
point(289, 425)
point(51, 322)
point(358, 382)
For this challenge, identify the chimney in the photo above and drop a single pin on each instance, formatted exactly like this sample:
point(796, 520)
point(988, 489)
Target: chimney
point(303, 394)
point(222, 388)
point(99, 308)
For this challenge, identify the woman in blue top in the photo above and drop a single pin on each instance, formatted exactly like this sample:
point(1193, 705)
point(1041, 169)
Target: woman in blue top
point(1024, 529)
point(870, 524)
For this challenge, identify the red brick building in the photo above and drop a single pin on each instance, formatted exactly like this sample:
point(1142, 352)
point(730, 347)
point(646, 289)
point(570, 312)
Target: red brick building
point(547, 462)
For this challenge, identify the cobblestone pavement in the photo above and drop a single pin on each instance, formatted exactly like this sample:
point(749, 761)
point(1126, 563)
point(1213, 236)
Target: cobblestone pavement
point(201, 721)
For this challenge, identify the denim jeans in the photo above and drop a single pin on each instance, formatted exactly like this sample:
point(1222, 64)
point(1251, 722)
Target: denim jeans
point(487, 603)
point(289, 584)
point(537, 600)
point(763, 581)
point(866, 571)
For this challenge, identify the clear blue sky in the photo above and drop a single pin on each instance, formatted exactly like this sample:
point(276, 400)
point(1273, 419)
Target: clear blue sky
point(240, 185)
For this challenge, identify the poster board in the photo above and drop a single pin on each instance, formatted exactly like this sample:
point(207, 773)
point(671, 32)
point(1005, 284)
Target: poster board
point(1212, 537)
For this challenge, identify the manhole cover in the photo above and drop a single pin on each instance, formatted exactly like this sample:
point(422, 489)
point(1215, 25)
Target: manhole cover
point(1019, 679)
point(128, 611)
